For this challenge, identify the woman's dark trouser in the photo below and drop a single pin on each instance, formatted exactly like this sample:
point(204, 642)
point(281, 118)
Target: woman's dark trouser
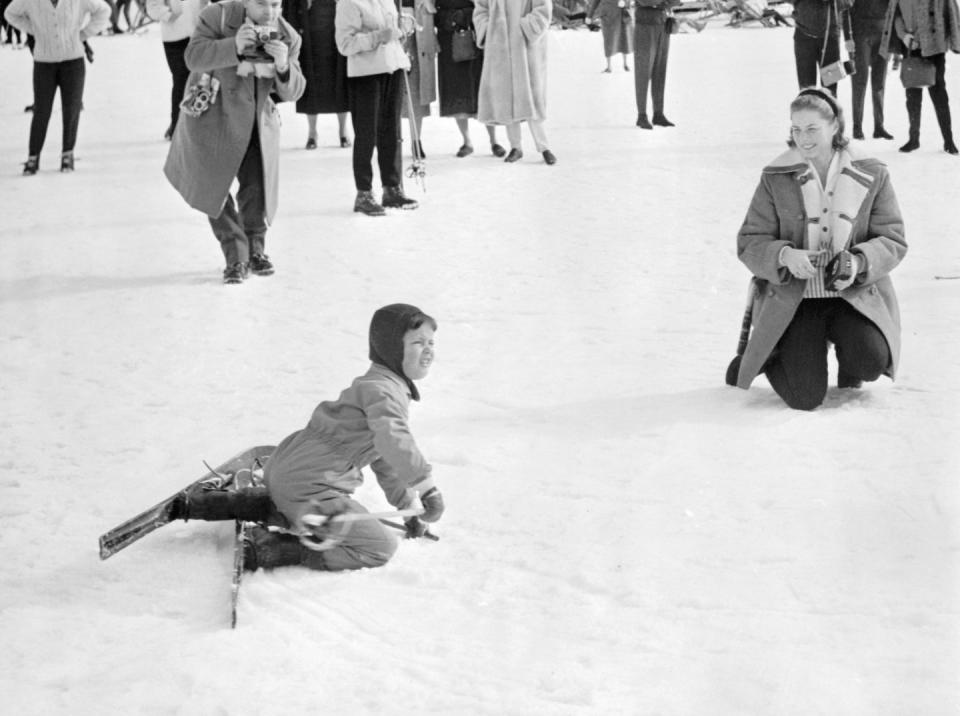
point(243, 233)
point(870, 62)
point(807, 52)
point(68, 76)
point(178, 70)
point(799, 372)
point(375, 112)
point(941, 101)
point(651, 49)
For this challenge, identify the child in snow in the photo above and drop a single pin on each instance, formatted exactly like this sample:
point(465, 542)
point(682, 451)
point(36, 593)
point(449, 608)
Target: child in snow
point(314, 471)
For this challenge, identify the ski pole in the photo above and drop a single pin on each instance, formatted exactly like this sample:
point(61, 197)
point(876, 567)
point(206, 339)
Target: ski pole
point(418, 168)
point(403, 528)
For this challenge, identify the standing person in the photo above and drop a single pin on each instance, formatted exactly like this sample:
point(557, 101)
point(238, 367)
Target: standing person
point(513, 84)
point(617, 25)
point(928, 28)
point(821, 236)
point(323, 66)
point(177, 19)
point(60, 30)
point(459, 82)
point(420, 44)
point(7, 30)
point(313, 473)
point(816, 38)
point(369, 35)
point(866, 19)
point(651, 48)
point(241, 52)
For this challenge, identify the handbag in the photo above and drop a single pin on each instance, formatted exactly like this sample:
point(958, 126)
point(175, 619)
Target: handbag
point(917, 71)
point(464, 45)
point(835, 71)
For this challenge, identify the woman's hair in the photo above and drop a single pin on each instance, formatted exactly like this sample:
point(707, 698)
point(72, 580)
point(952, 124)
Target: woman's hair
point(827, 106)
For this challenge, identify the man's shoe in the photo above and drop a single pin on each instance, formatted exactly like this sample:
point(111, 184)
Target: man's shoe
point(465, 151)
point(881, 133)
point(366, 204)
point(661, 121)
point(910, 146)
point(858, 133)
point(235, 273)
point(261, 265)
point(394, 198)
point(497, 150)
point(66, 162)
point(549, 157)
point(643, 122)
point(949, 147)
point(514, 155)
point(31, 166)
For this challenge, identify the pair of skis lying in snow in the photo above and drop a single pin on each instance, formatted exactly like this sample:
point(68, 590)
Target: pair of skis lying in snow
point(239, 472)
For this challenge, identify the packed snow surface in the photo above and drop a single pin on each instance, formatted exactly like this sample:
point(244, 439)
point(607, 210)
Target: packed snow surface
point(624, 533)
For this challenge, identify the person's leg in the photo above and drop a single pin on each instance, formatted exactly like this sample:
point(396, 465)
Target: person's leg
point(862, 351)
point(941, 102)
point(643, 59)
point(342, 123)
point(251, 199)
point(364, 113)
point(539, 135)
point(858, 83)
point(389, 159)
point(229, 232)
point(878, 82)
point(515, 139)
point(828, 56)
point(806, 55)
point(44, 89)
point(366, 543)
point(71, 80)
point(659, 76)
point(179, 72)
point(495, 147)
point(311, 131)
point(798, 373)
point(914, 104)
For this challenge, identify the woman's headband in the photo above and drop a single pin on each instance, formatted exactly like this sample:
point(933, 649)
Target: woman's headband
point(825, 96)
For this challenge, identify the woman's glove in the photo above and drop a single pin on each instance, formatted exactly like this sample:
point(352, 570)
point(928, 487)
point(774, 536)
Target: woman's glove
point(842, 271)
point(801, 263)
point(387, 34)
point(432, 502)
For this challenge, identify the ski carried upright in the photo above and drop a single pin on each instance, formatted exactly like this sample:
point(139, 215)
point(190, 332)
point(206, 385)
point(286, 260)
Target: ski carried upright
point(220, 478)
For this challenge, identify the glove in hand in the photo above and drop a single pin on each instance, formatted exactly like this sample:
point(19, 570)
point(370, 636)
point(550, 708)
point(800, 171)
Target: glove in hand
point(432, 502)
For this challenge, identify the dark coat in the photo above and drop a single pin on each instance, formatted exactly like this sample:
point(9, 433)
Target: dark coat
point(324, 68)
point(206, 151)
point(777, 218)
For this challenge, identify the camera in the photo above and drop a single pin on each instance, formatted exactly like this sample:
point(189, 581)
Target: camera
point(264, 34)
point(836, 71)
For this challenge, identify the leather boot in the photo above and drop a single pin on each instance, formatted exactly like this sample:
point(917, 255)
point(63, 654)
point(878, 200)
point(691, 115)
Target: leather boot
point(914, 100)
point(946, 126)
point(264, 549)
point(252, 504)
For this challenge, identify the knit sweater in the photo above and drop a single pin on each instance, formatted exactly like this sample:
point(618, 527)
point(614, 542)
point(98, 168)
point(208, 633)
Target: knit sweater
point(59, 30)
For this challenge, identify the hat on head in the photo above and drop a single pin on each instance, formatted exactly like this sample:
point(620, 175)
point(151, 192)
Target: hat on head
point(387, 328)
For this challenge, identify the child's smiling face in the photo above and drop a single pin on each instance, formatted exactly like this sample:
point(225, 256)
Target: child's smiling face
point(418, 352)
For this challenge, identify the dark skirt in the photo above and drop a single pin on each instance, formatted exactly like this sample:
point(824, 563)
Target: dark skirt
point(458, 83)
point(324, 68)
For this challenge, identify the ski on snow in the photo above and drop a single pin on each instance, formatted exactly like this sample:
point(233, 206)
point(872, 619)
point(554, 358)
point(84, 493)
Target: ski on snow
point(219, 478)
point(244, 477)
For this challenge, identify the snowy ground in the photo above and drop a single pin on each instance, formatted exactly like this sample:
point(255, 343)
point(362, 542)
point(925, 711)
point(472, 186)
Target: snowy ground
point(624, 534)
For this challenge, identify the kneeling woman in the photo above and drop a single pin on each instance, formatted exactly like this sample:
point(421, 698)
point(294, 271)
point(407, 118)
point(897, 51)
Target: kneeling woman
point(821, 236)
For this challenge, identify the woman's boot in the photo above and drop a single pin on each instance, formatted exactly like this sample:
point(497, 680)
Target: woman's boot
point(914, 100)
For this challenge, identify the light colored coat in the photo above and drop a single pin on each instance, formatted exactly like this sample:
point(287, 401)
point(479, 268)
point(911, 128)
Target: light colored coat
point(366, 425)
point(427, 48)
point(942, 33)
point(513, 35)
point(777, 218)
point(357, 24)
point(206, 151)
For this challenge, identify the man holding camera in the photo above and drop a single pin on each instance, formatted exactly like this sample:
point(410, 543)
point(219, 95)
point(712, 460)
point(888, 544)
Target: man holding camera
point(241, 52)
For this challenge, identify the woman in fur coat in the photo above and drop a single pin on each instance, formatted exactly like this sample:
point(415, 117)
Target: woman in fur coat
point(821, 236)
point(513, 85)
